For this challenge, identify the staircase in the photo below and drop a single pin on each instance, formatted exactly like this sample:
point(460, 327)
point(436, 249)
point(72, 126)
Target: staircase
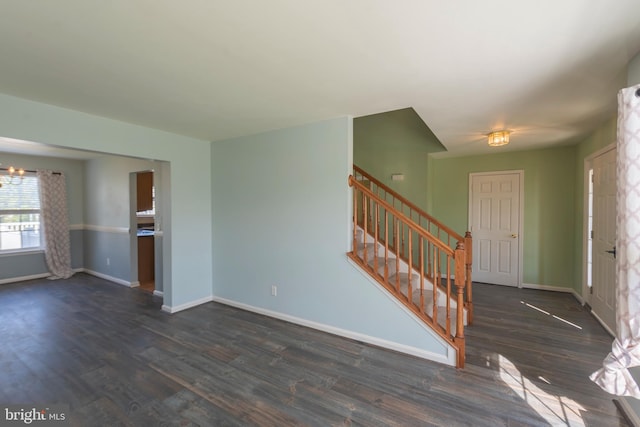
point(417, 259)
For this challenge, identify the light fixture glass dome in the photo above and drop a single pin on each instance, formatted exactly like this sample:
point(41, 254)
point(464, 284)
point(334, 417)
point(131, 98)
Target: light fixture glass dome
point(498, 138)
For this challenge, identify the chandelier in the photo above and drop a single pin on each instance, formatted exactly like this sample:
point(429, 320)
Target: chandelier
point(12, 177)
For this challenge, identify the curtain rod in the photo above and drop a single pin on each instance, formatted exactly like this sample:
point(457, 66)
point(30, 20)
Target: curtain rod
point(30, 171)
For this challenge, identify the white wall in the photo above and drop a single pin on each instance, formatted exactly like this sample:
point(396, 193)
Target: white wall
point(187, 238)
point(107, 189)
point(108, 215)
point(281, 216)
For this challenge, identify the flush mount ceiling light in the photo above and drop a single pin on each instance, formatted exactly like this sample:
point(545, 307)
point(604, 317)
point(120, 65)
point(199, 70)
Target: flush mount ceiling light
point(498, 138)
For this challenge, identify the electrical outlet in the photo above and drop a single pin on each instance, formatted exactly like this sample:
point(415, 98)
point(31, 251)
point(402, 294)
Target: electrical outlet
point(108, 261)
point(274, 290)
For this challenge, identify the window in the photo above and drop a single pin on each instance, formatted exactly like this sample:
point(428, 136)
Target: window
point(20, 215)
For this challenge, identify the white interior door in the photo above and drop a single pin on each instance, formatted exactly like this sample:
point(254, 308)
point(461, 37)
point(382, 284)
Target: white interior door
point(603, 297)
point(494, 217)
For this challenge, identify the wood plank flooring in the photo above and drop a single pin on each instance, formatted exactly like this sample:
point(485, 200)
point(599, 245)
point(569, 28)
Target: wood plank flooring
point(116, 359)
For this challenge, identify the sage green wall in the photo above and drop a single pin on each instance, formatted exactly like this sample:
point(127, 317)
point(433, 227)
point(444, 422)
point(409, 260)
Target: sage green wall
point(549, 205)
point(633, 71)
point(602, 137)
point(396, 142)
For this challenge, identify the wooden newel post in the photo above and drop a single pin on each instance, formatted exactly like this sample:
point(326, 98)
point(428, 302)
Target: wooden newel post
point(460, 283)
point(468, 245)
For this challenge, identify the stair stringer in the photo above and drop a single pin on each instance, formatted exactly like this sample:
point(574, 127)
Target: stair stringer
point(450, 356)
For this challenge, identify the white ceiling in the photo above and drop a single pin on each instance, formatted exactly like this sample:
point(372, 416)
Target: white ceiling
point(547, 69)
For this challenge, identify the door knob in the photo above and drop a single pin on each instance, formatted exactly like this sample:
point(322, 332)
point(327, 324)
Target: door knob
point(515, 236)
point(612, 252)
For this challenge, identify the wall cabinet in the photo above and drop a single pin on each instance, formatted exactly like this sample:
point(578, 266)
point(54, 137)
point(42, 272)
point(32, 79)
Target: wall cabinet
point(144, 181)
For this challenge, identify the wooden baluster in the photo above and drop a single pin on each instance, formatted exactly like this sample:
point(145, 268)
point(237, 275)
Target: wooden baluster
point(421, 243)
point(435, 285)
point(468, 247)
point(365, 229)
point(378, 222)
point(459, 339)
point(354, 247)
point(375, 242)
point(429, 264)
point(448, 296)
point(409, 284)
point(395, 236)
point(404, 255)
point(370, 229)
point(397, 256)
point(386, 246)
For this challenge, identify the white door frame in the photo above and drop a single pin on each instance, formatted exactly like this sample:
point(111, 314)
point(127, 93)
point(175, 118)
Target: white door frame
point(588, 162)
point(520, 173)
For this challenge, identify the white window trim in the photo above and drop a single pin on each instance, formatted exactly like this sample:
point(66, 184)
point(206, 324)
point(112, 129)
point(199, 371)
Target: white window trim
point(29, 250)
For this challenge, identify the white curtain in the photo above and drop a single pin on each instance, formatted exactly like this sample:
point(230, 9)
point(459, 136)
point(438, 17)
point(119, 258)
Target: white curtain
point(614, 376)
point(55, 223)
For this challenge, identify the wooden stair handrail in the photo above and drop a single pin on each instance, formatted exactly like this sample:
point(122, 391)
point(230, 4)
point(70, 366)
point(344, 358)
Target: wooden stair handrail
point(411, 205)
point(417, 227)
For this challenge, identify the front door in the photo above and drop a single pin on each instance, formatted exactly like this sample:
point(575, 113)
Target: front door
point(603, 297)
point(494, 216)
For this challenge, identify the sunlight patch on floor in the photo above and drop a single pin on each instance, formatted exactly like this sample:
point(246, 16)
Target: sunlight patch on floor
point(557, 410)
point(549, 314)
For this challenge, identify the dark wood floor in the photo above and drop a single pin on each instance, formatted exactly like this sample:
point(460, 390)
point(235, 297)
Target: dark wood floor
point(116, 359)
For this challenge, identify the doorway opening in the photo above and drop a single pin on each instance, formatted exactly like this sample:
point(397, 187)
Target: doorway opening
point(145, 226)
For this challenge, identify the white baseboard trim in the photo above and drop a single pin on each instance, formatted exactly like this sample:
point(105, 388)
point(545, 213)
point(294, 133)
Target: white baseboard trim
point(109, 278)
point(547, 287)
point(158, 293)
point(402, 348)
point(604, 325)
point(177, 308)
point(631, 415)
point(135, 284)
point(24, 278)
point(555, 289)
point(578, 297)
